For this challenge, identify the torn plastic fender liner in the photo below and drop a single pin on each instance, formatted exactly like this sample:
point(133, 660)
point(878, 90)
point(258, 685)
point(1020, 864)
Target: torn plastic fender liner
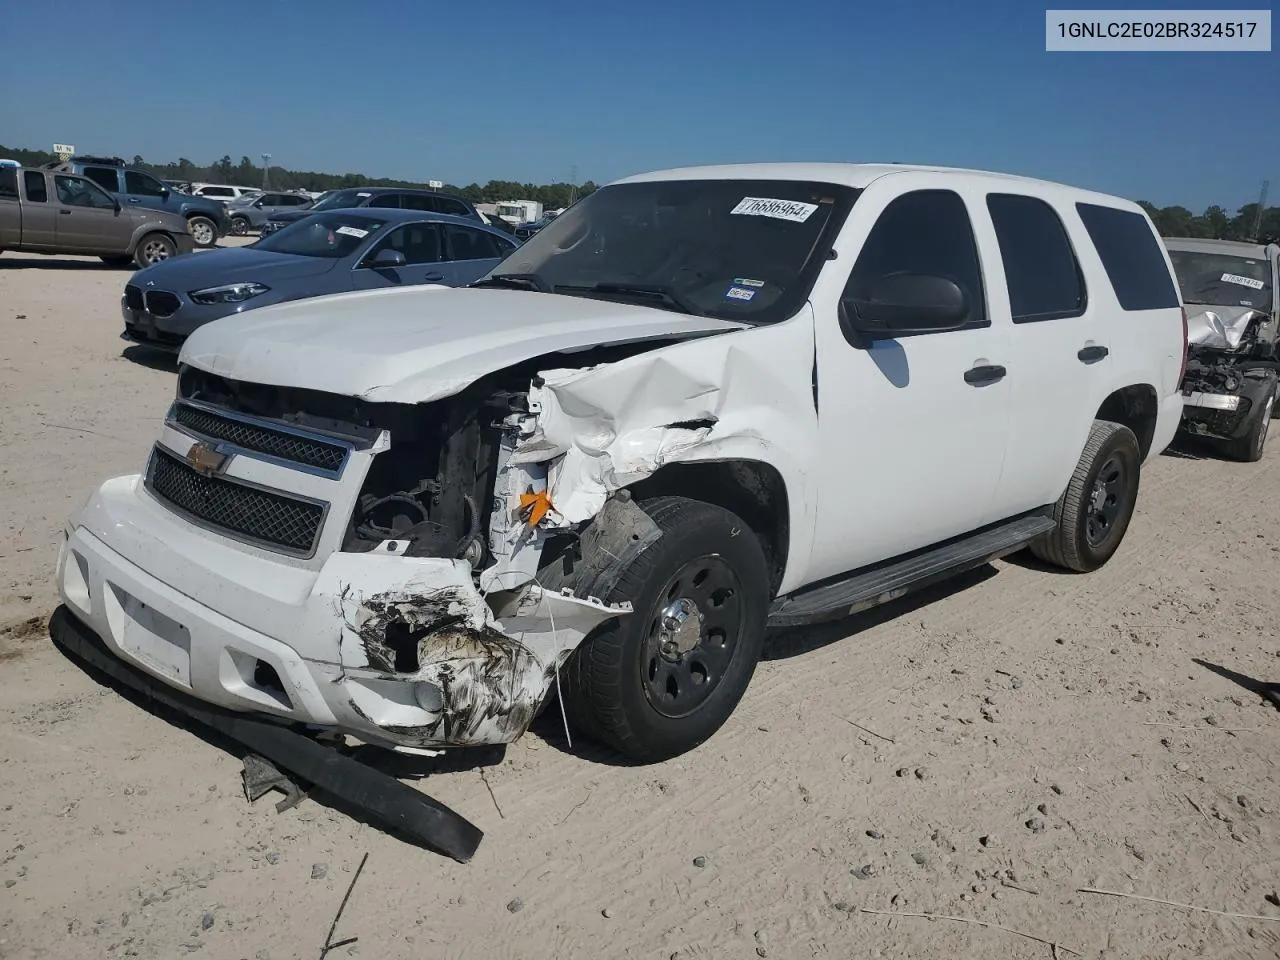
point(427, 662)
point(385, 800)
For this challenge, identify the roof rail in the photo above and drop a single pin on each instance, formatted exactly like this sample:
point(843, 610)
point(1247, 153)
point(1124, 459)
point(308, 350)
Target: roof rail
point(107, 161)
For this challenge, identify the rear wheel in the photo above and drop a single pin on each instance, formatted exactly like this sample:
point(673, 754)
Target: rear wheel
point(659, 681)
point(203, 231)
point(1094, 511)
point(153, 248)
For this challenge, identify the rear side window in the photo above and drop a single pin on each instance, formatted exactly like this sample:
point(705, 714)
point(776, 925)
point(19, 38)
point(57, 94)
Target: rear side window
point(105, 177)
point(925, 231)
point(1131, 255)
point(8, 183)
point(455, 207)
point(37, 191)
point(1040, 267)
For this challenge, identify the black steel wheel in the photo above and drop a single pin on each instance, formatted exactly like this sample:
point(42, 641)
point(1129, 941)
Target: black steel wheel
point(661, 680)
point(1094, 511)
point(239, 226)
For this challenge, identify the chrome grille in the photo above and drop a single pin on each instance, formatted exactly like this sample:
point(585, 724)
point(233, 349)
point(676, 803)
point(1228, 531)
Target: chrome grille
point(263, 438)
point(273, 520)
point(132, 297)
point(162, 303)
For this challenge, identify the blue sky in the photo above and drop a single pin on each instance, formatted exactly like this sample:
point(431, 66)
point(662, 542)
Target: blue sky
point(524, 91)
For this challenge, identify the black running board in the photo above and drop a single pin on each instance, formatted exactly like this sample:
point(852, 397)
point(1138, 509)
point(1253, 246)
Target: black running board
point(895, 578)
point(385, 800)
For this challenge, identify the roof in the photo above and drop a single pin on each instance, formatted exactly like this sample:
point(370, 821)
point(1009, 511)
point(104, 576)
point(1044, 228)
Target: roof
point(397, 215)
point(858, 176)
point(1233, 248)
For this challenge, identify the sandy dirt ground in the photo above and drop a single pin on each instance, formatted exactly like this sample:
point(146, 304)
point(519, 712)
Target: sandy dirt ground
point(982, 752)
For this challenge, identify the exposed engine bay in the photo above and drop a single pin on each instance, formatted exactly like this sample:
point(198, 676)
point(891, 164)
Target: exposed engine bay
point(1231, 368)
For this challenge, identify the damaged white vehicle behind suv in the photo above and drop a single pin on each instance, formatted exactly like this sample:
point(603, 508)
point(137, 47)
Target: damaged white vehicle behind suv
point(698, 403)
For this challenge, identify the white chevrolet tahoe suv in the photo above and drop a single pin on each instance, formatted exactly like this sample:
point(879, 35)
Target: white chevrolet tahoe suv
point(699, 403)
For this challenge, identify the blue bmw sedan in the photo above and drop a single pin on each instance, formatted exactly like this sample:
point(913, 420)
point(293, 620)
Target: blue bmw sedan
point(330, 252)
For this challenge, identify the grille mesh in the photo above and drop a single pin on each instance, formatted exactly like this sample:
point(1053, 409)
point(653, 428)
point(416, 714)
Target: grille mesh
point(132, 297)
point(262, 439)
point(162, 303)
point(269, 518)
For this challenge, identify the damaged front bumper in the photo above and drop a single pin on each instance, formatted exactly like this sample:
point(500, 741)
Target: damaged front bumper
point(402, 652)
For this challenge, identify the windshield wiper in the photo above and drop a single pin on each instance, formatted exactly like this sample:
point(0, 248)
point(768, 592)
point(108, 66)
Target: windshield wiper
point(656, 293)
point(528, 281)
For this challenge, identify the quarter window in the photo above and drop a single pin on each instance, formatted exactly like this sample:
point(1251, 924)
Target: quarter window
point(37, 190)
point(1131, 256)
point(924, 232)
point(1043, 277)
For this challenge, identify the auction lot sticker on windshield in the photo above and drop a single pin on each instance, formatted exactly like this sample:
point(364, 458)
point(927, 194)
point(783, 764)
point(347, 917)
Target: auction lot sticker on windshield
point(792, 210)
point(1243, 281)
point(353, 232)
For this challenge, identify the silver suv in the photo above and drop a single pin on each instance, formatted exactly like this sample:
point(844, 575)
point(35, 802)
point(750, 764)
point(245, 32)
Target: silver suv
point(252, 213)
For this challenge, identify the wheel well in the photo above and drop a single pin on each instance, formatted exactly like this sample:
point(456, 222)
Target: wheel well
point(753, 490)
point(1135, 407)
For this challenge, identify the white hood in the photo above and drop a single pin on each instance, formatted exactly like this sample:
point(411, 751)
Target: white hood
point(413, 345)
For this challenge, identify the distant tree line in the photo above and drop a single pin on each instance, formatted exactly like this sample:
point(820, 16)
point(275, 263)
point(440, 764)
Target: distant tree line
point(1215, 223)
point(248, 174)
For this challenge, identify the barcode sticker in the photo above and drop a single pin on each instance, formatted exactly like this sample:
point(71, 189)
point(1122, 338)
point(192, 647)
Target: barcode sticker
point(1249, 282)
point(792, 210)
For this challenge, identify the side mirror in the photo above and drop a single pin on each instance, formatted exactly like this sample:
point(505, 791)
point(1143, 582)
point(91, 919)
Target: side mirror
point(905, 303)
point(387, 258)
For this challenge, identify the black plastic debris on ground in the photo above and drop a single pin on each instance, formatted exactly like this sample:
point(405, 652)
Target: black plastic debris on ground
point(385, 801)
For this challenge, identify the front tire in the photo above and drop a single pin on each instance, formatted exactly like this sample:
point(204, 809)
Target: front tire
point(239, 226)
point(1094, 511)
point(657, 682)
point(1248, 449)
point(153, 248)
point(203, 230)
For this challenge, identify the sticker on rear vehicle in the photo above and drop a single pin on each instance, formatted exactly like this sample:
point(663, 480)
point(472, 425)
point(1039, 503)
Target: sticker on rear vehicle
point(739, 281)
point(792, 210)
point(353, 232)
point(739, 293)
point(1243, 281)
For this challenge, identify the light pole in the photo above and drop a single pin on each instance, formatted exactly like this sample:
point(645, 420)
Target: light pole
point(266, 171)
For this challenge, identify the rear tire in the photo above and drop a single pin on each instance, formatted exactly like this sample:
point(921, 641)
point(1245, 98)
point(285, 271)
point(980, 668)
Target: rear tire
point(1094, 511)
point(1249, 448)
point(153, 248)
point(657, 682)
point(203, 230)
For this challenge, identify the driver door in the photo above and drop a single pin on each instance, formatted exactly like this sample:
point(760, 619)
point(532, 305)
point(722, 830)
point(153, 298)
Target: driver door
point(88, 220)
point(421, 245)
point(912, 429)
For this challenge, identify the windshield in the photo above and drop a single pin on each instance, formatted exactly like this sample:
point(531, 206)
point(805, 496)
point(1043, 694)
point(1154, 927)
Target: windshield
point(342, 198)
point(746, 250)
point(332, 236)
point(1223, 279)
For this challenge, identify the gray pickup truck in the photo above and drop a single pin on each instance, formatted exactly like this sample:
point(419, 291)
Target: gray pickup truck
point(43, 211)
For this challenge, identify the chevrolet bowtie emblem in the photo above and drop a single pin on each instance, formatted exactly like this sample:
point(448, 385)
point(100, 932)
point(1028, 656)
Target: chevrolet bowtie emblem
point(204, 459)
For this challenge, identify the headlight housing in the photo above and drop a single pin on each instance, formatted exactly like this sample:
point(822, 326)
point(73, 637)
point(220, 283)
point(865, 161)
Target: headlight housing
point(228, 293)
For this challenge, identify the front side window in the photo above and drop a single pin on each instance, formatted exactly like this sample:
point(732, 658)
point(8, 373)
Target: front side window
point(142, 185)
point(1223, 280)
point(385, 200)
point(923, 232)
point(419, 242)
point(1131, 256)
point(331, 236)
point(8, 183)
point(37, 189)
point(342, 198)
point(1040, 268)
point(78, 192)
point(746, 250)
point(105, 177)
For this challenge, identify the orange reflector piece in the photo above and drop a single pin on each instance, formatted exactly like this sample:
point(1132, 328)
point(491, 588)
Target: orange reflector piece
point(534, 507)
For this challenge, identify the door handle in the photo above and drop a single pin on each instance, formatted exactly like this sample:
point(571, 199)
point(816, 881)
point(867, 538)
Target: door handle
point(983, 375)
point(1092, 354)
point(65, 213)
